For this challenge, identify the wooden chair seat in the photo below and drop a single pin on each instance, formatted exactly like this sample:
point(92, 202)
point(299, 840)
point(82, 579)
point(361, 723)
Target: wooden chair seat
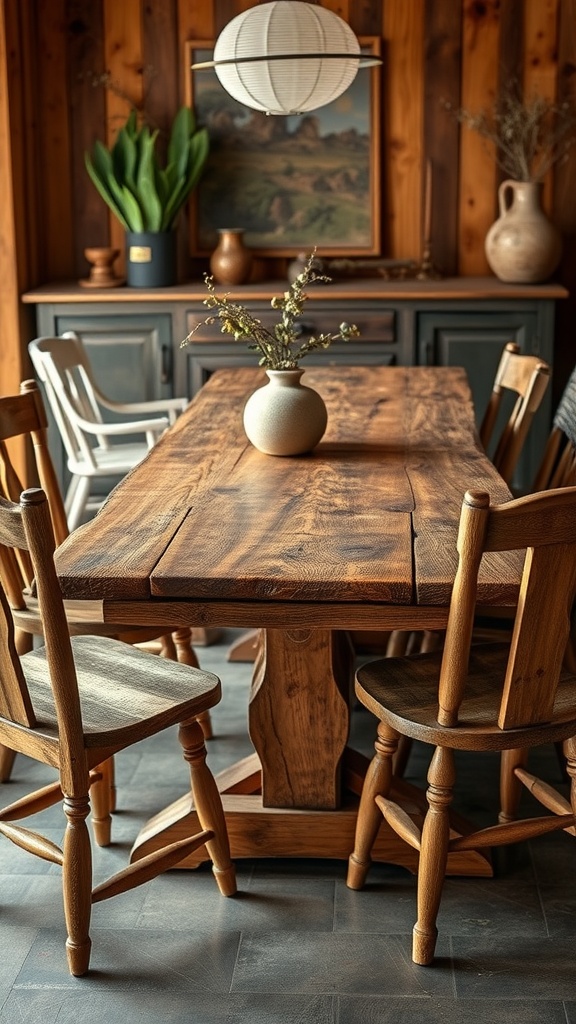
point(403, 692)
point(72, 704)
point(137, 693)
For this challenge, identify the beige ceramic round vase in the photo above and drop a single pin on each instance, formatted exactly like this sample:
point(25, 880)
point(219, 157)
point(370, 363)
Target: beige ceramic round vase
point(284, 417)
point(522, 246)
point(231, 261)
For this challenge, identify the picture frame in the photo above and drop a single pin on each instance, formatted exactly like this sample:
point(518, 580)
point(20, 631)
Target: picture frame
point(329, 197)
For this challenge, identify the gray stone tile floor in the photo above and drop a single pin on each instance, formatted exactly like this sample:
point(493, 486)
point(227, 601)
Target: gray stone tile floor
point(295, 946)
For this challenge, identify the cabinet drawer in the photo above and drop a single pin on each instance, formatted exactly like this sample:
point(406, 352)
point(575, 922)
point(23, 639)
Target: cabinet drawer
point(374, 325)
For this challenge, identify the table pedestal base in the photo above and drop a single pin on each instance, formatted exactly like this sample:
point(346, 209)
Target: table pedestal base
point(256, 831)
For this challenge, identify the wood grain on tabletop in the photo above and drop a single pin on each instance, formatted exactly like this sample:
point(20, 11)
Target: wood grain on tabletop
point(211, 517)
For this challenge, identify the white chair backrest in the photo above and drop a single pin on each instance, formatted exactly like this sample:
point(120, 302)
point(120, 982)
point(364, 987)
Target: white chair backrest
point(62, 365)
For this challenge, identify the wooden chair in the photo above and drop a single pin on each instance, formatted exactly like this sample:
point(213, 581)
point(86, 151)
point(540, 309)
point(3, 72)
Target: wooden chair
point(75, 702)
point(506, 697)
point(527, 377)
point(94, 449)
point(24, 415)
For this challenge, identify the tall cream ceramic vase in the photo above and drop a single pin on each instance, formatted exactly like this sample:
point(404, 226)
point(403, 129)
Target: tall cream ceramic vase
point(522, 246)
point(284, 417)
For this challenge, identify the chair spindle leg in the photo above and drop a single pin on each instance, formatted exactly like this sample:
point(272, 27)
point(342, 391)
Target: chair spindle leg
point(377, 783)
point(208, 805)
point(433, 854)
point(77, 883)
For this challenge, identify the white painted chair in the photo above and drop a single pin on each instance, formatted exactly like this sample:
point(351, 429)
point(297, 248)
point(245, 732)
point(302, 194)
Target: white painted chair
point(94, 448)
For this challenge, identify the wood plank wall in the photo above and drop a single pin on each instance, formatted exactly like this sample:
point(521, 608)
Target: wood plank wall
point(455, 50)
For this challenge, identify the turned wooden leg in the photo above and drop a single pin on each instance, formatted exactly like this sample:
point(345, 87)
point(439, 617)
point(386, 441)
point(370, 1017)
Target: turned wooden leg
point(77, 883)
point(186, 655)
point(431, 641)
point(510, 786)
point(208, 805)
point(6, 761)
point(167, 647)
point(433, 854)
point(398, 643)
point(376, 783)
point(401, 756)
point(101, 805)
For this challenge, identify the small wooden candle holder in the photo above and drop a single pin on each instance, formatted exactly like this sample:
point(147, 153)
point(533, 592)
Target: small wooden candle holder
point(101, 271)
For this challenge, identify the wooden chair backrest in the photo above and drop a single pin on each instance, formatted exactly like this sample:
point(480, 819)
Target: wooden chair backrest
point(528, 377)
point(62, 365)
point(25, 415)
point(28, 526)
point(545, 525)
point(558, 466)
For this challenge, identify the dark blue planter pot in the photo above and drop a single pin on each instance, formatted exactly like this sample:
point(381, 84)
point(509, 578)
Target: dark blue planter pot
point(150, 259)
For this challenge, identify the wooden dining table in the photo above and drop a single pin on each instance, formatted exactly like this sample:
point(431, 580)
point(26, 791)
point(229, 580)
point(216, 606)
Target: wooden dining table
point(359, 534)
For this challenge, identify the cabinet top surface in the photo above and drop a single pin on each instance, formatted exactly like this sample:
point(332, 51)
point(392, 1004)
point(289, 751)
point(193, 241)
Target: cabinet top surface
point(450, 288)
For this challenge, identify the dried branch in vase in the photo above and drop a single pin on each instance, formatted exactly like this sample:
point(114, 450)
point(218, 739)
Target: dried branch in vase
point(529, 135)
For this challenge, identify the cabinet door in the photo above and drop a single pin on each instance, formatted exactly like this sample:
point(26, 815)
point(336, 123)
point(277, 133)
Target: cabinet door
point(131, 356)
point(475, 340)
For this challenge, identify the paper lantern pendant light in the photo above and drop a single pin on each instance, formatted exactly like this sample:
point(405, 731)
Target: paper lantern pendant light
point(287, 57)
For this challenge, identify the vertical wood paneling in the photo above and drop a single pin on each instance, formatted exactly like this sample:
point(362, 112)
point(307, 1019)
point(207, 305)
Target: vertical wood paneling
point(441, 134)
point(195, 21)
point(541, 60)
point(162, 58)
point(511, 42)
point(564, 209)
point(402, 168)
point(54, 138)
point(85, 59)
point(480, 47)
point(225, 10)
point(365, 18)
point(18, 212)
point(123, 54)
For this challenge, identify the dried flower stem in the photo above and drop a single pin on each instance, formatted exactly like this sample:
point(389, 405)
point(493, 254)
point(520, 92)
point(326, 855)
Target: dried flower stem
point(529, 135)
point(280, 348)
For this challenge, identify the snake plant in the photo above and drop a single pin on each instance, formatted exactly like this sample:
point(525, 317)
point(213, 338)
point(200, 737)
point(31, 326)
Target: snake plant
point(143, 195)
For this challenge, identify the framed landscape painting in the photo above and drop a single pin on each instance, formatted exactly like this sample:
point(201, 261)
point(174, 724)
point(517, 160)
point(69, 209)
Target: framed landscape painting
point(290, 182)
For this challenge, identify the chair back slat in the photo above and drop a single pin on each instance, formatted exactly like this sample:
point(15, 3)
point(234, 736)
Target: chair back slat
point(541, 632)
point(544, 525)
point(528, 377)
point(15, 703)
point(24, 415)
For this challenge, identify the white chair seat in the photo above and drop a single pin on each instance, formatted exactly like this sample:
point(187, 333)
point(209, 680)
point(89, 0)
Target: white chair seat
point(110, 461)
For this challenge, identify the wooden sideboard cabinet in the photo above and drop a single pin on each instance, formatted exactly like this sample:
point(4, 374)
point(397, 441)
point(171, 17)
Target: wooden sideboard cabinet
point(134, 335)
